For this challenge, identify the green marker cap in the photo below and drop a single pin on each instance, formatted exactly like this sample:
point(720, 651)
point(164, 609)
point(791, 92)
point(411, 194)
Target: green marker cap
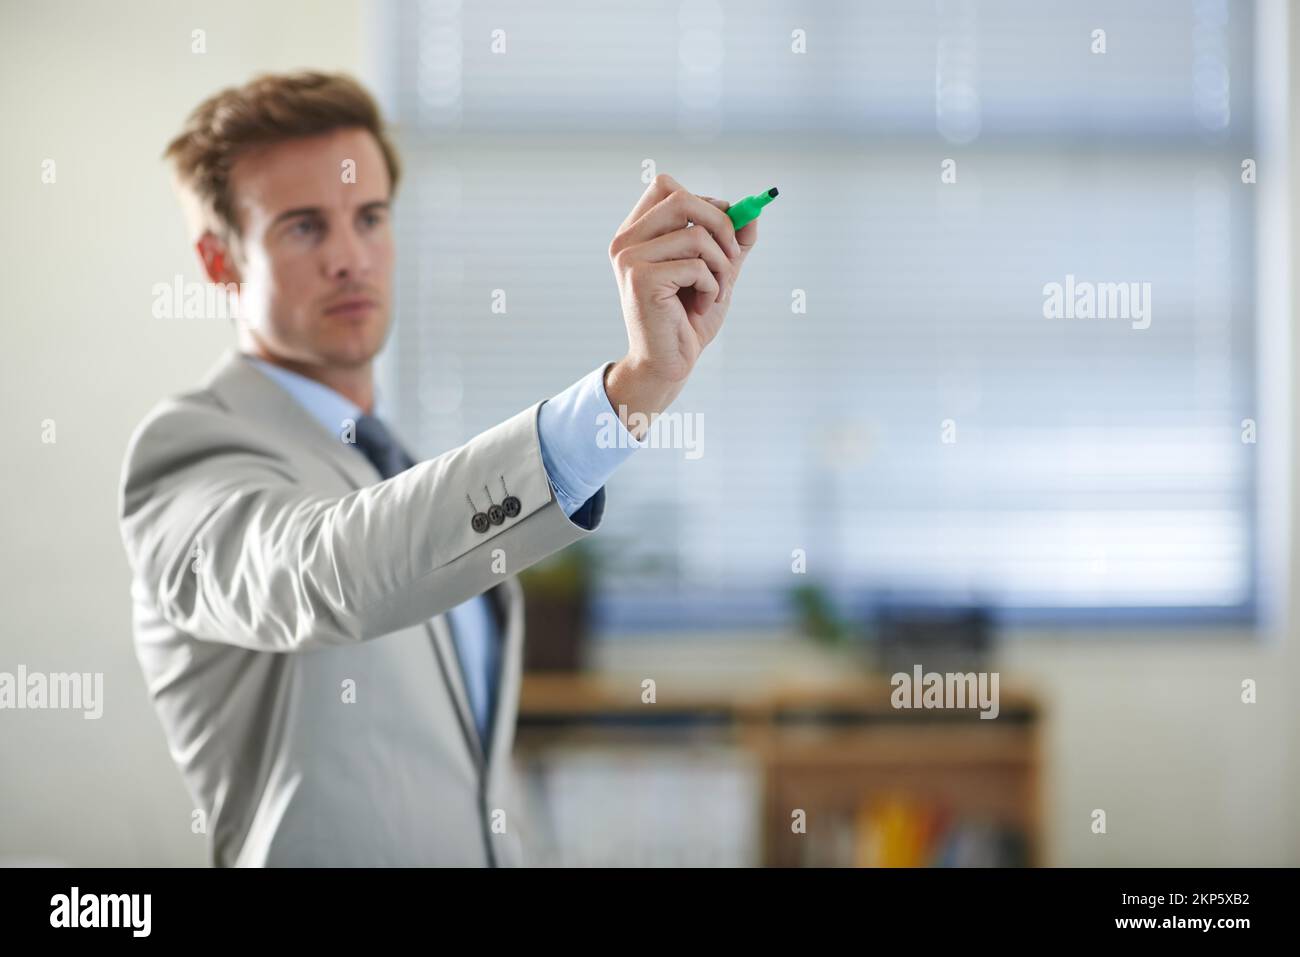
point(746, 211)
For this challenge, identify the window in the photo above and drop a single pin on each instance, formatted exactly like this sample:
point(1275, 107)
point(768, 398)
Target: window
point(923, 427)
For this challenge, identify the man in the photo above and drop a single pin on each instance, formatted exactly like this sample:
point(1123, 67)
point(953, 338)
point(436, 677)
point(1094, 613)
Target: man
point(324, 624)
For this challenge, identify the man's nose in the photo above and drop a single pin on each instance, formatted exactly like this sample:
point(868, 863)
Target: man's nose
point(346, 256)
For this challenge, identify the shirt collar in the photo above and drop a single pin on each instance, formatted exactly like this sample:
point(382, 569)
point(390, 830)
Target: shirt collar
point(322, 403)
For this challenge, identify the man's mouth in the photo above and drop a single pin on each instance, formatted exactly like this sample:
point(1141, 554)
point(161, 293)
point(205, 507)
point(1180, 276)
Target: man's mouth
point(351, 307)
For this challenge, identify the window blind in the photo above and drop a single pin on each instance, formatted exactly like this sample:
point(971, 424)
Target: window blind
point(922, 426)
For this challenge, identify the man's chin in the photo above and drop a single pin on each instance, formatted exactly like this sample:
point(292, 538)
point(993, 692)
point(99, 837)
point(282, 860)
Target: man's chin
point(349, 357)
point(353, 349)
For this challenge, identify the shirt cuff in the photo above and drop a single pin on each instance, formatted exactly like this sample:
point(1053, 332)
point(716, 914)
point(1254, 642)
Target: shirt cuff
point(583, 440)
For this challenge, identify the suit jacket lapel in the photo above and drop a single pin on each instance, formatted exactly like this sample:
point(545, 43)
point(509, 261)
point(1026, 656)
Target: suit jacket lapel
point(445, 648)
point(506, 600)
point(247, 391)
point(509, 600)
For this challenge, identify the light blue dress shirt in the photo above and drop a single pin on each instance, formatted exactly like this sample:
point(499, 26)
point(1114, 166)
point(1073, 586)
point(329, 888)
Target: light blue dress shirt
point(583, 442)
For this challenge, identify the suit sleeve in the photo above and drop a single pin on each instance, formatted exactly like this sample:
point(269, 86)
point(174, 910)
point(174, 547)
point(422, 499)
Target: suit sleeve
point(231, 546)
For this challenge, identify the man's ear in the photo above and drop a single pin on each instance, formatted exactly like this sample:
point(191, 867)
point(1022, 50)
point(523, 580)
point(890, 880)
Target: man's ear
point(216, 258)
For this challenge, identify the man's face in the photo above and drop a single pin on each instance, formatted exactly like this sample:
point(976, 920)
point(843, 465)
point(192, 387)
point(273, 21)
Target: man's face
point(316, 248)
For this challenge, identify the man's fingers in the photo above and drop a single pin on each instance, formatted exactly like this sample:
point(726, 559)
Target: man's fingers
point(672, 213)
point(679, 274)
point(747, 235)
point(684, 244)
point(659, 189)
point(656, 232)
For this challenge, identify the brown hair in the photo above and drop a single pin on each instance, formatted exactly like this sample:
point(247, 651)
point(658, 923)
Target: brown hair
point(268, 109)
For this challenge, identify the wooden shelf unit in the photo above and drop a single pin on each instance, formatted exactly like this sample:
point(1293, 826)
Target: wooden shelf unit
point(823, 747)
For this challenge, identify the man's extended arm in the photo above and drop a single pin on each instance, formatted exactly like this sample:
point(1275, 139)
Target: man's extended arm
point(234, 548)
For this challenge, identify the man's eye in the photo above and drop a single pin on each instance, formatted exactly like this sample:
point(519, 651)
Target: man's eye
point(304, 227)
point(372, 218)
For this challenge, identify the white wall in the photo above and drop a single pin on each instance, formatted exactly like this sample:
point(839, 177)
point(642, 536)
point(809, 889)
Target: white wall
point(101, 88)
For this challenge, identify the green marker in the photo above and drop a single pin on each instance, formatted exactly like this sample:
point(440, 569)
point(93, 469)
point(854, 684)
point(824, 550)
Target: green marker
point(747, 210)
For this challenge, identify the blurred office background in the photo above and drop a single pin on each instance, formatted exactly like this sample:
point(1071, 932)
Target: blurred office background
point(917, 467)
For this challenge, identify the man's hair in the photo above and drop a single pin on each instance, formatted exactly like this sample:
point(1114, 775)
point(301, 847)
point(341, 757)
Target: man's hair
point(268, 109)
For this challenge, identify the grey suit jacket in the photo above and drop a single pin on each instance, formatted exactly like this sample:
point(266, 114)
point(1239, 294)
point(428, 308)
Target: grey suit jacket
point(276, 578)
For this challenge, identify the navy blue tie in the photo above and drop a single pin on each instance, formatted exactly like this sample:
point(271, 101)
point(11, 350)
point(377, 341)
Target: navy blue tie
point(378, 445)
